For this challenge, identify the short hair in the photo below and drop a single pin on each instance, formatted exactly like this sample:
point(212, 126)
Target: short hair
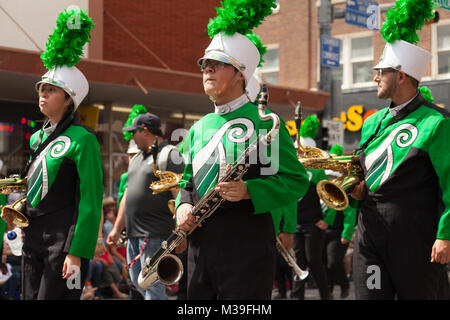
point(413, 81)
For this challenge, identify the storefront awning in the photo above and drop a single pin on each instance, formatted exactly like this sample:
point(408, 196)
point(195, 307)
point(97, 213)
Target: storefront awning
point(127, 84)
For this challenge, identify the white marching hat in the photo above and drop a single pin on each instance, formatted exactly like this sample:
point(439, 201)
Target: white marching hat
point(407, 57)
point(71, 80)
point(238, 51)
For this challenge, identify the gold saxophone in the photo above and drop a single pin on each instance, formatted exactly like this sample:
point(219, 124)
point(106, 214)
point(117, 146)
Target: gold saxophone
point(13, 212)
point(168, 180)
point(334, 192)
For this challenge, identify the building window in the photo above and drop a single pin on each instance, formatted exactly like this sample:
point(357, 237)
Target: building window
point(356, 61)
point(271, 66)
point(443, 49)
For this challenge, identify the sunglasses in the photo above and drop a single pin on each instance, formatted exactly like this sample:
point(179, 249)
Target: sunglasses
point(379, 72)
point(213, 64)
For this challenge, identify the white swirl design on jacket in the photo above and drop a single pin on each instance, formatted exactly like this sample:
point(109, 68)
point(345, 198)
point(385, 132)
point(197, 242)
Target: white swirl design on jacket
point(404, 135)
point(60, 146)
point(236, 135)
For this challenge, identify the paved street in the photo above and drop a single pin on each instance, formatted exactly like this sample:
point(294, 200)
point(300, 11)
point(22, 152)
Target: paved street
point(313, 294)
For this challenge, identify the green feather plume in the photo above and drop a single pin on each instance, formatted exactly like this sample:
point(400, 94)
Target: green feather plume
point(65, 45)
point(405, 19)
point(337, 149)
point(426, 93)
point(137, 110)
point(309, 127)
point(241, 16)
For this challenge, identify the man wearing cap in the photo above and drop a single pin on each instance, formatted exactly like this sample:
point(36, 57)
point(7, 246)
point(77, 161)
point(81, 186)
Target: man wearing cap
point(233, 255)
point(402, 242)
point(146, 216)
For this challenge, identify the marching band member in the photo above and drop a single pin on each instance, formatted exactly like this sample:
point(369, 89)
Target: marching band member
point(403, 232)
point(232, 256)
point(64, 177)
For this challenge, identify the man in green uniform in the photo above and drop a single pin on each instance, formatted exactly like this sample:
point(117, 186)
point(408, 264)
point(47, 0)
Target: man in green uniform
point(232, 256)
point(403, 233)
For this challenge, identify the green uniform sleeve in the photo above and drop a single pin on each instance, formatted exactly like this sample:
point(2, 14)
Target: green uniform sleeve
point(122, 187)
point(350, 219)
point(89, 165)
point(288, 184)
point(3, 199)
point(2, 231)
point(290, 218)
point(440, 158)
point(329, 216)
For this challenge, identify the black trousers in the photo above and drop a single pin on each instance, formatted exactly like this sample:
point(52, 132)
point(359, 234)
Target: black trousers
point(388, 265)
point(284, 272)
point(308, 247)
point(334, 254)
point(43, 259)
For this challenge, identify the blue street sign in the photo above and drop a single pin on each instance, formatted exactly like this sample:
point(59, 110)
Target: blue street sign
point(330, 49)
point(363, 13)
point(443, 3)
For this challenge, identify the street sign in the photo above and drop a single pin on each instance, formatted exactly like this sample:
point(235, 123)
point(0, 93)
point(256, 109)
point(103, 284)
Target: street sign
point(335, 132)
point(443, 3)
point(363, 13)
point(330, 49)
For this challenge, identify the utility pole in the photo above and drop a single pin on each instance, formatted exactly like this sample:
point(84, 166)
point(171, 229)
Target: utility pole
point(325, 19)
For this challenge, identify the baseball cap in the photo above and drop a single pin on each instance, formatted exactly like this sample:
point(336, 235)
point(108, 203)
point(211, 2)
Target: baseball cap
point(147, 120)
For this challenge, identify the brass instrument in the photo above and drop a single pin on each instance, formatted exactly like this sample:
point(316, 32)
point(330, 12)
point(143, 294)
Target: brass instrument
point(13, 184)
point(166, 267)
point(123, 240)
point(167, 180)
point(289, 257)
point(334, 192)
point(13, 212)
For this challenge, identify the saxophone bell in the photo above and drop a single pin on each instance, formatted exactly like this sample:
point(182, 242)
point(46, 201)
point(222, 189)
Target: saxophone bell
point(14, 213)
point(168, 270)
point(333, 193)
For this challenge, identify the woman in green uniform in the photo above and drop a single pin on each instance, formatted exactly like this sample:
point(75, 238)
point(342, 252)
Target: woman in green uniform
point(64, 175)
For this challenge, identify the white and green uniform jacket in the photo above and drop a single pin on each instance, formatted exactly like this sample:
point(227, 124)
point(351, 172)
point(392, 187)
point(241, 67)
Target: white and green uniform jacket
point(217, 140)
point(407, 169)
point(66, 179)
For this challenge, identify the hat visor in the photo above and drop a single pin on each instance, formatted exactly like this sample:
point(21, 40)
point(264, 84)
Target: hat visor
point(218, 56)
point(129, 129)
point(382, 65)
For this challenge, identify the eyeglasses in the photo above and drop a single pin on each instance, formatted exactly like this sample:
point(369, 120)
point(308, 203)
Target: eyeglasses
point(214, 64)
point(379, 72)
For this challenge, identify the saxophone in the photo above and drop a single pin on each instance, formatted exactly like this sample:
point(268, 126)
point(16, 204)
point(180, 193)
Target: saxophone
point(168, 268)
point(333, 193)
point(13, 212)
point(168, 180)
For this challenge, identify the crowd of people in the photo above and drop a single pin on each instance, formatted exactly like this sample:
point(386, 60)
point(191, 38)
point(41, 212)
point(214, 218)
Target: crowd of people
point(242, 170)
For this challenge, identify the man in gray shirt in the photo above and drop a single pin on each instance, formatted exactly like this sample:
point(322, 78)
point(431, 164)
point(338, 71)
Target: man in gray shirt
point(146, 216)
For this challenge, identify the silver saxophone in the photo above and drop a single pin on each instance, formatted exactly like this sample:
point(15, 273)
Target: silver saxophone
point(168, 268)
point(289, 257)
